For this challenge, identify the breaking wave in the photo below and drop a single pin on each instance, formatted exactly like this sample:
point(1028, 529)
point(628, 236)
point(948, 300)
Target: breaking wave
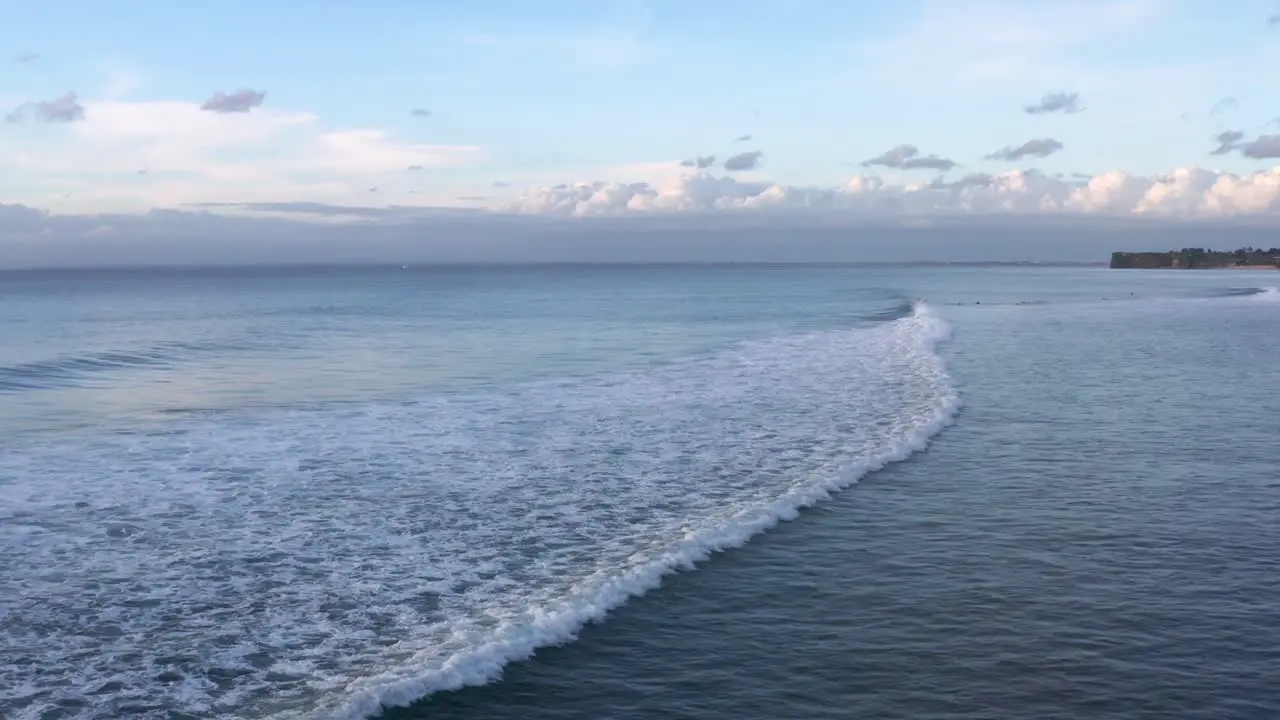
point(903, 308)
point(330, 562)
point(1267, 294)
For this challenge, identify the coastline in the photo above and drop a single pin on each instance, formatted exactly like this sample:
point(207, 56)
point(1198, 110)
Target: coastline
point(1272, 268)
point(1198, 259)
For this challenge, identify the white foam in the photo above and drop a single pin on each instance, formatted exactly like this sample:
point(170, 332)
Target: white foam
point(1269, 294)
point(325, 563)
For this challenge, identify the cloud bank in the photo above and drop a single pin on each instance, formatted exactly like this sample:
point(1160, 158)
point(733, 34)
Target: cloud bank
point(1187, 192)
point(415, 235)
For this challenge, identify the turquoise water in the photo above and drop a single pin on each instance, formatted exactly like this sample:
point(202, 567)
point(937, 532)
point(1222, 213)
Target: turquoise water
point(298, 493)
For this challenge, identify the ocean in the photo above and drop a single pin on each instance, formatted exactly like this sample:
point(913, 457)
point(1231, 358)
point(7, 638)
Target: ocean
point(624, 492)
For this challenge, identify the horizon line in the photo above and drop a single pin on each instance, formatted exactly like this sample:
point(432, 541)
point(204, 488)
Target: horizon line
point(391, 265)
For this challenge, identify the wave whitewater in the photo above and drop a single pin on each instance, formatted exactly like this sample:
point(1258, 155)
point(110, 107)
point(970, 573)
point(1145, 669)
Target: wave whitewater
point(590, 602)
point(336, 562)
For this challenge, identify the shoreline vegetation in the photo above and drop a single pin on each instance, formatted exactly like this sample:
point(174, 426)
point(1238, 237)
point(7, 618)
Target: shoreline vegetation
point(1248, 258)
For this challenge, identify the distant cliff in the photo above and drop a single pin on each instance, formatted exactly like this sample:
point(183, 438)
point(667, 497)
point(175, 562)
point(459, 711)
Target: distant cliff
point(1196, 259)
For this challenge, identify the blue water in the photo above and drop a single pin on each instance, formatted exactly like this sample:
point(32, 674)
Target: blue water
point(315, 492)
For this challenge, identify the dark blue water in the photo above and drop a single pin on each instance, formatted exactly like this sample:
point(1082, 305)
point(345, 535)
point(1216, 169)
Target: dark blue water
point(293, 493)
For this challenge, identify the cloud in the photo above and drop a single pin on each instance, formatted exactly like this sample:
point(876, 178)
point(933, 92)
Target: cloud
point(1226, 104)
point(1066, 103)
point(474, 198)
point(1227, 141)
point(689, 192)
point(20, 217)
point(65, 108)
point(1039, 148)
point(743, 161)
point(1184, 193)
point(415, 167)
point(700, 163)
point(743, 138)
point(980, 180)
point(1273, 20)
point(240, 101)
point(386, 213)
point(1263, 147)
point(374, 151)
point(200, 156)
point(420, 112)
point(907, 157)
point(501, 184)
point(26, 57)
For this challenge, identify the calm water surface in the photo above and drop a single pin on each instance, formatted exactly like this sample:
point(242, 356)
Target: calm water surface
point(310, 493)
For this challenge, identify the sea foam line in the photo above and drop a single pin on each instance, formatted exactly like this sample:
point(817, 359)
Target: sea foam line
point(591, 601)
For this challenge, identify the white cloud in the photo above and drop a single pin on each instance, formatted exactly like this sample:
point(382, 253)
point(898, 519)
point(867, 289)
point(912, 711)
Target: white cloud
point(1186, 192)
point(195, 156)
point(1112, 192)
point(374, 151)
point(1182, 192)
point(1255, 193)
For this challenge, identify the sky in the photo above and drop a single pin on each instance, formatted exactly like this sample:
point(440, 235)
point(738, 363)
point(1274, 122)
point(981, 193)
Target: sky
point(360, 112)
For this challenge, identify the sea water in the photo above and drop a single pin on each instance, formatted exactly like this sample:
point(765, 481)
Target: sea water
point(319, 492)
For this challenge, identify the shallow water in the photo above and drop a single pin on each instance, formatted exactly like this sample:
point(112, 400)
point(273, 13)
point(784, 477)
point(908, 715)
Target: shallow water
point(303, 493)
